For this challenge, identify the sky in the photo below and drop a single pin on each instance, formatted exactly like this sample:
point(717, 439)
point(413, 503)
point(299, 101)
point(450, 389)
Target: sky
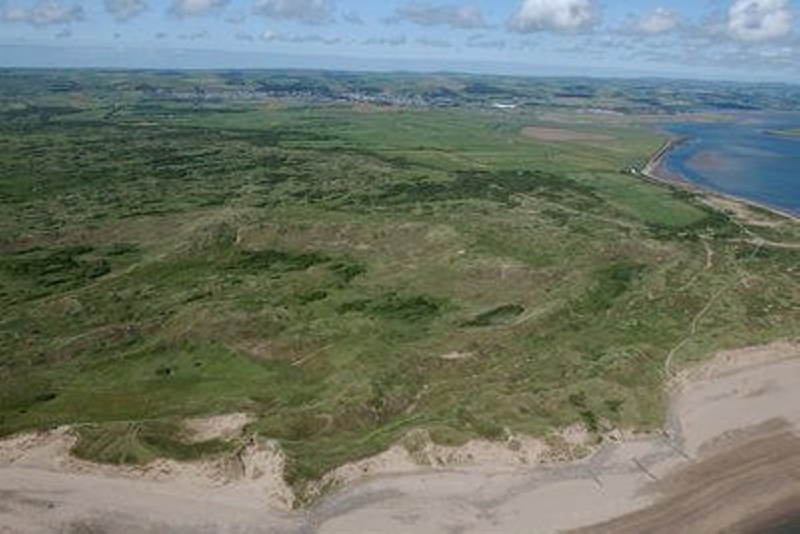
point(755, 40)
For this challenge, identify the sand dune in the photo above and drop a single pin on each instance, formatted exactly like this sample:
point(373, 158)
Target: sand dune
point(733, 433)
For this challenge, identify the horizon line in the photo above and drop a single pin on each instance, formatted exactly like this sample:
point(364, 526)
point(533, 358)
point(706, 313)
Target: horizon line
point(108, 58)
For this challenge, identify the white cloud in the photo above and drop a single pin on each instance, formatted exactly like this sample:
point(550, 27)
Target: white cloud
point(386, 41)
point(269, 36)
point(759, 20)
point(455, 16)
point(187, 8)
point(320, 39)
point(14, 14)
point(123, 10)
point(43, 13)
point(659, 21)
point(553, 15)
point(486, 42)
point(434, 43)
point(235, 18)
point(353, 17)
point(304, 11)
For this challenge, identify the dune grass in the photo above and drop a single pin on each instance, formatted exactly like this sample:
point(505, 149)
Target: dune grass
point(311, 266)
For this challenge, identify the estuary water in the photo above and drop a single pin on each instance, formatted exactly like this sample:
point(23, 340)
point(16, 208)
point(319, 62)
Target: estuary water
point(741, 156)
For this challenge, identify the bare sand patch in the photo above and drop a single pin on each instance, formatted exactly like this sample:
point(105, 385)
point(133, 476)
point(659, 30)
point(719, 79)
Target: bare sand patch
point(730, 454)
point(45, 490)
point(738, 389)
point(417, 454)
point(754, 473)
point(628, 475)
point(737, 418)
point(49, 449)
point(456, 355)
point(744, 212)
point(254, 472)
point(735, 361)
point(562, 135)
point(222, 427)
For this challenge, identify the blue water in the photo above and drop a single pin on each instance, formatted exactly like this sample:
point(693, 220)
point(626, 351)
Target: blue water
point(740, 158)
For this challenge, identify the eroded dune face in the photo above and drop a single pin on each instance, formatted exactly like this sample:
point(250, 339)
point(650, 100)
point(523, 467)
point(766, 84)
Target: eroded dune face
point(734, 432)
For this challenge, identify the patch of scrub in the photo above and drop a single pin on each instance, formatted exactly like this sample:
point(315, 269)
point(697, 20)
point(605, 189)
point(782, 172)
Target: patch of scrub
point(500, 315)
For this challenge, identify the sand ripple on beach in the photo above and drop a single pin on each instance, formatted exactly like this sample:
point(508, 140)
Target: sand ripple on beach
point(750, 478)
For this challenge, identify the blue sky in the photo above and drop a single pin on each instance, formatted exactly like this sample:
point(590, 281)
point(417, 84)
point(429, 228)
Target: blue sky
point(735, 39)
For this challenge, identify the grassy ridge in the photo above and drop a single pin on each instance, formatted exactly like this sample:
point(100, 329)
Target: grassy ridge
point(312, 265)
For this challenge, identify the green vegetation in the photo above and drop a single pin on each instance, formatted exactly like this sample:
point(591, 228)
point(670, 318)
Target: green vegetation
point(501, 315)
point(139, 443)
point(165, 254)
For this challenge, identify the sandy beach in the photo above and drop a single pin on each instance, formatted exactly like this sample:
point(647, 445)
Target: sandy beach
point(732, 433)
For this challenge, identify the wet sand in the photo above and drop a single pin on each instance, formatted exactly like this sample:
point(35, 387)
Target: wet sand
point(729, 461)
point(753, 479)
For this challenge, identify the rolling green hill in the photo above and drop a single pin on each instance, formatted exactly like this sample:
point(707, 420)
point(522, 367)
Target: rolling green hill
point(319, 264)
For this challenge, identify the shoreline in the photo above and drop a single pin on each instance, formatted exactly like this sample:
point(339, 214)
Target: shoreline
point(654, 171)
point(624, 479)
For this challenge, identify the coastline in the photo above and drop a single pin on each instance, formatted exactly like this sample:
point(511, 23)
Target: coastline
point(633, 478)
point(654, 170)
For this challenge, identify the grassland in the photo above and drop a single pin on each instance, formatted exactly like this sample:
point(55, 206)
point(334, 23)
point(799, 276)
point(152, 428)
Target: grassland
point(312, 265)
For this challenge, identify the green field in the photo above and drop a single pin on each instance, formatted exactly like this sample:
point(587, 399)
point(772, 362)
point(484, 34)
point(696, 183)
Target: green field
point(312, 263)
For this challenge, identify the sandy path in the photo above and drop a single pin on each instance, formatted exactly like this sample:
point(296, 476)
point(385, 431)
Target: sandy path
point(756, 389)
